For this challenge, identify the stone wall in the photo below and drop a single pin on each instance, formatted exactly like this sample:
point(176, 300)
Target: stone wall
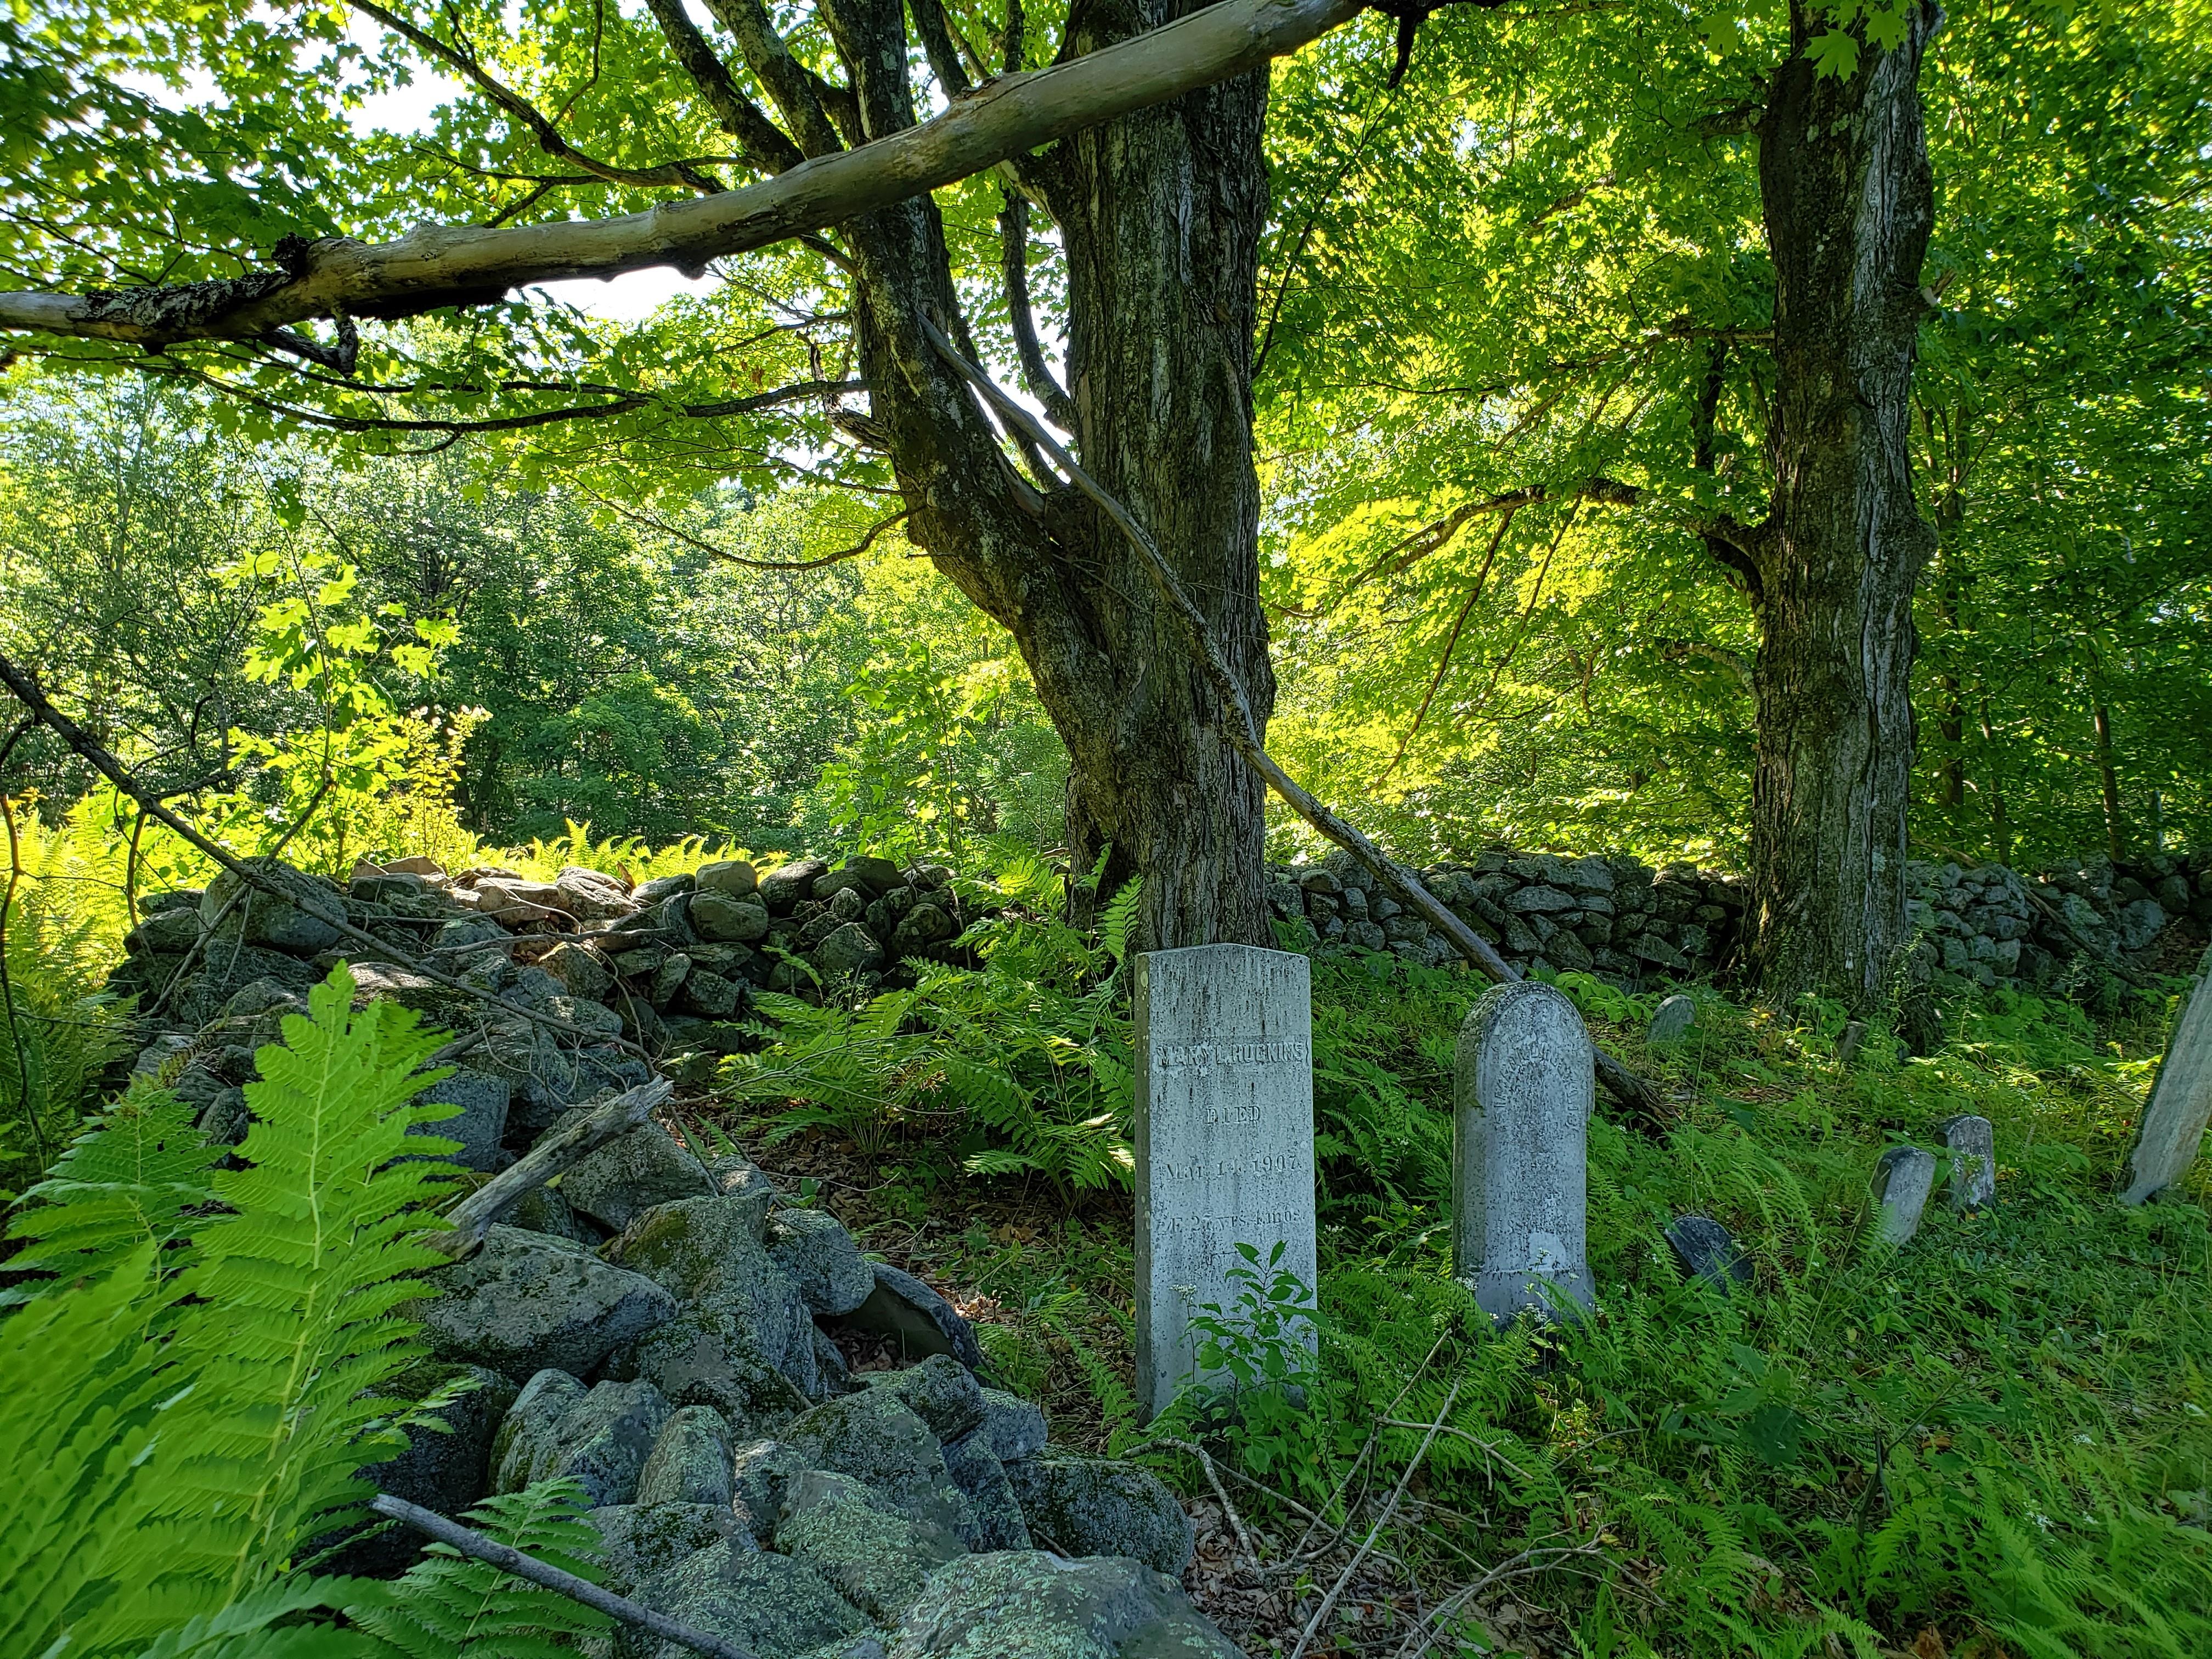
point(1626, 921)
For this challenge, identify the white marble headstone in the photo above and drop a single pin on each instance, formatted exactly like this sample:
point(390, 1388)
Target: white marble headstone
point(2172, 1125)
point(1225, 1140)
point(1523, 1092)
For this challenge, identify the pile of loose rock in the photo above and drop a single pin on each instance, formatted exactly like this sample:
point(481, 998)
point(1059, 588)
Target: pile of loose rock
point(670, 965)
point(663, 1328)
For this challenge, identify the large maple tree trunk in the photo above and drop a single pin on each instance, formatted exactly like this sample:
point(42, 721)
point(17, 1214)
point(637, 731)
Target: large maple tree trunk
point(1849, 202)
point(1161, 214)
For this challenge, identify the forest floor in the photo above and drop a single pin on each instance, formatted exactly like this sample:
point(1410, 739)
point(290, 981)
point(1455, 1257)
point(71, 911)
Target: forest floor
point(1993, 1442)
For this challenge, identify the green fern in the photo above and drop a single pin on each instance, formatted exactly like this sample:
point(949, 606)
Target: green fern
point(449, 1606)
point(162, 1482)
point(137, 1177)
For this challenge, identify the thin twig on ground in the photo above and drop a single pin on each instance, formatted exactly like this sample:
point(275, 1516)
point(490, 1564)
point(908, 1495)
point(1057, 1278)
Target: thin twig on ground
point(1320, 1619)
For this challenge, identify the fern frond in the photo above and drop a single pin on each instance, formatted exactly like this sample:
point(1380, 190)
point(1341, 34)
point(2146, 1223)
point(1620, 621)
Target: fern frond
point(128, 1181)
point(450, 1607)
point(1119, 916)
point(79, 1390)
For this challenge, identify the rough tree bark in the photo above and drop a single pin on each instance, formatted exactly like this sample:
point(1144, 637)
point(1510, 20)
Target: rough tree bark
point(1161, 214)
point(1849, 202)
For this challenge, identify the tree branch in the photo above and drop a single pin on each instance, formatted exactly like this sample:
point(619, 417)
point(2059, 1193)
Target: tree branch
point(1014, 264)
point(867, 541)
point(804, 99)
point(472, 1217)
point(1241, 728)
point(765, 144)
point(435, 266)
point(507, 1558)
point(686, 173)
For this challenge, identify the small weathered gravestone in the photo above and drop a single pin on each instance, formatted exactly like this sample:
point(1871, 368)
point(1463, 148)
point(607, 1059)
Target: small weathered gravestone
point(1902, 1181)
point(1672, 1020)
point(1706, 1250)
point(1849, 1044)
point(1223, 1141)
point(1520, 1176)
point(1973, 1160)
point(2173, 1125)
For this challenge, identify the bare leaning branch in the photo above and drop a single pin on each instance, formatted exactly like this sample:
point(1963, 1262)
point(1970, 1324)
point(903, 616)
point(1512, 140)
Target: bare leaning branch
point(438, 266)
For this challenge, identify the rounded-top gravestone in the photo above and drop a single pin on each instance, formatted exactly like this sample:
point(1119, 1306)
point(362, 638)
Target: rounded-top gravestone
point(1673, 1021)
point(1520, 1172)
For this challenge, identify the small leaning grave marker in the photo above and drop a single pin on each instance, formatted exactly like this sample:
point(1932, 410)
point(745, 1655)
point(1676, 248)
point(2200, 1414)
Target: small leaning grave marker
point(1523, 1086)
point(1224, 1141)
point(1902, 1181)
point(2172, 1127)
point(1672, 1020)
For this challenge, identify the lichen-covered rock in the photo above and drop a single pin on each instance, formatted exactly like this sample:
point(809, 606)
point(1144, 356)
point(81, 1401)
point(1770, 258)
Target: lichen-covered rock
point(301, 922)
point(527, 1300)
point(922, 926)
point(533, 1421)
point(582, 969)
point(776, 1607)
point(653, 892)
point(166, 933)
point(592, 896)
point(822, 1259)
point(1016, 1427)
point(601, 1440)
point(736, 1176)
point(689, 1463)
point(734, 876)
point(481, 1122)
point(915, 1317)
point(941, 1391)
point(975, 1467)
point(224, 969)
point(642, 1540)
point(723, 919)
point(875, 1437)
point(1093, 1506)
point(1028, 1605)
point(710, 995)
point(708, 1253)
point(759, 1474)
point(444, 1472)
point(782, 888)
point(877, 1557)
point(849, 948)
point(631, 1174)
point(543, 1210)
point(700, 1358)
